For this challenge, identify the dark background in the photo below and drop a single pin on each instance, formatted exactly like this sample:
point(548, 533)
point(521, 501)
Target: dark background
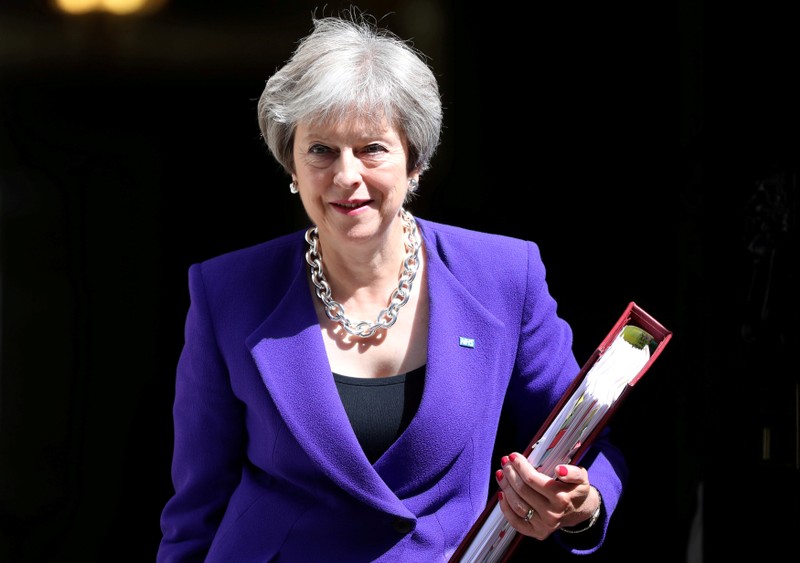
point(650, 148)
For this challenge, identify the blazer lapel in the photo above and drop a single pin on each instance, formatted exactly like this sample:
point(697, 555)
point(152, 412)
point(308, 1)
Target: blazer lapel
point(290, 356)
point(462, 370)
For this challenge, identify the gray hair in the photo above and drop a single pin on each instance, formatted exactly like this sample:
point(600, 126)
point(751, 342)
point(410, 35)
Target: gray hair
point(349, 68)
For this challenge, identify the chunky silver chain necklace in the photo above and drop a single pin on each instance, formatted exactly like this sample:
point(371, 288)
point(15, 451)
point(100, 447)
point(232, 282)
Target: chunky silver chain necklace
point(400, 296)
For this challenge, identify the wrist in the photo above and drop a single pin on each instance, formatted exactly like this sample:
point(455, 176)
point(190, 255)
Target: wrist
point(587, 524)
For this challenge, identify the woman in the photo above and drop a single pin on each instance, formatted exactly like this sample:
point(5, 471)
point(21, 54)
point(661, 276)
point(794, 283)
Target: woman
point(340, 389)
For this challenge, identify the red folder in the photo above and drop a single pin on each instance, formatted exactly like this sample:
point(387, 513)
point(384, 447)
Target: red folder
point(633, 315)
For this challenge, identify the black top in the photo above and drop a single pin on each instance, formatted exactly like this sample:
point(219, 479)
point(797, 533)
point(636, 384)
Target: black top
point(380, 409)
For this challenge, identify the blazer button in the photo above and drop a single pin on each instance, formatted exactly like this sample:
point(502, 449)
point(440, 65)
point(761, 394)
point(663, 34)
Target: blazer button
point(402, 526)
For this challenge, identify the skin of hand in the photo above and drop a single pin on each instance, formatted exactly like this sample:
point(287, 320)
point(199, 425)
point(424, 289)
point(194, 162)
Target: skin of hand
point(560, 502)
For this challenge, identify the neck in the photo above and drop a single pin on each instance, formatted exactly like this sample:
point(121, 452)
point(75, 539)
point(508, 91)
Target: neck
point(352, 303)
point(363, 269)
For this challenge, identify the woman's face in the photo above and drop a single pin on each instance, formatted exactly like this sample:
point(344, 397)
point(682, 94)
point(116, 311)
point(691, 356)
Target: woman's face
point(351, 177)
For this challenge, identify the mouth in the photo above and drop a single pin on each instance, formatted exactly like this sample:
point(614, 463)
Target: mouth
point(350, 205)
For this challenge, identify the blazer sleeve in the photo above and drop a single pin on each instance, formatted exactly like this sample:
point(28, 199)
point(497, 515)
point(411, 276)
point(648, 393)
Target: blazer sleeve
point(209, 441)
point(545, 366)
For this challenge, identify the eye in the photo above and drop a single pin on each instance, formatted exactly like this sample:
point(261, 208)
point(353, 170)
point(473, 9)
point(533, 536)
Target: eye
point(319, 155)
point(318, 149)
point(373, 149)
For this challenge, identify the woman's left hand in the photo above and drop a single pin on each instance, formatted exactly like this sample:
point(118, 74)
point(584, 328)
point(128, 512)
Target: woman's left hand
point(536, 504)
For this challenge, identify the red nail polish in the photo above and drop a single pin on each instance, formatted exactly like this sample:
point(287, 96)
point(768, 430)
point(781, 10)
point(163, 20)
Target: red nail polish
point(504, 460)
point(499, 474)
point(512, 457)
point(562, 471)
point(499, 495)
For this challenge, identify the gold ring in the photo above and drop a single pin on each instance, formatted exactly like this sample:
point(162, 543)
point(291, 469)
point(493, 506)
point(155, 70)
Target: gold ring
point(529, 515)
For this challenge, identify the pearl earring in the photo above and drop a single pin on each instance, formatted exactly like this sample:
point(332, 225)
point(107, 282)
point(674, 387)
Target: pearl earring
point(293, 187)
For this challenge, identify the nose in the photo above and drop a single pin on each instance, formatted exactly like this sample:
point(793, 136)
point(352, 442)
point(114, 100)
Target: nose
point(348, 170)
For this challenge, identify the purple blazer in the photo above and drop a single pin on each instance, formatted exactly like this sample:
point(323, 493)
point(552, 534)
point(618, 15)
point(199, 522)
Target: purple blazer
point(266, 465)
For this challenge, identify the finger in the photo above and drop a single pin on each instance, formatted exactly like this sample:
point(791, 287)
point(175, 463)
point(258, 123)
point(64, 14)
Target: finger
point(527, 524)
point(571, 474)
point(521, 474)
point(515, 510)
point(509, 494)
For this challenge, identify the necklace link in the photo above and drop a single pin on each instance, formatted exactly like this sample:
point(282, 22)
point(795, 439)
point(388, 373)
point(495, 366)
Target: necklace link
point(400, 296)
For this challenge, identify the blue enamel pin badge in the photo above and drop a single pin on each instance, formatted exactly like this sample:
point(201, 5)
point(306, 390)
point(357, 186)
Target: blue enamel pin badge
point(466, 342)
